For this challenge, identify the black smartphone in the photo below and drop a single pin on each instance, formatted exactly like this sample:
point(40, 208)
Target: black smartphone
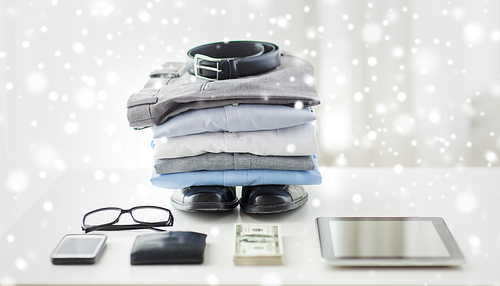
point(78, 249)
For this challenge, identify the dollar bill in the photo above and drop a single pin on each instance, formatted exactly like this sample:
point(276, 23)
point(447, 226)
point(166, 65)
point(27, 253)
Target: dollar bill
point(258, 244)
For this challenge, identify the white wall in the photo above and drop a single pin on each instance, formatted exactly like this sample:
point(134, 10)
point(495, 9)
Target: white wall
point(421, 99)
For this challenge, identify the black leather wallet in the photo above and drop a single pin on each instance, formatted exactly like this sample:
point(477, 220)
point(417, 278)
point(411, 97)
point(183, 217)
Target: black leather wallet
point(173, 247)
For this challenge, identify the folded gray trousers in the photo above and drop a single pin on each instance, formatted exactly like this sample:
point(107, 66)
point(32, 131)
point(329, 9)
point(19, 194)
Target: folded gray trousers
point(232, 161)
point(171, 90)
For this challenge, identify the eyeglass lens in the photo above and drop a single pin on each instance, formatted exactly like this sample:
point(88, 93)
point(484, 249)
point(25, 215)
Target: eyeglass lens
point(150, 215)
point(102, 217)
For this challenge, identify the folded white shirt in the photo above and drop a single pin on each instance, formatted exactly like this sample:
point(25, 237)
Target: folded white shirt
point(234, 118)
point(298, 140)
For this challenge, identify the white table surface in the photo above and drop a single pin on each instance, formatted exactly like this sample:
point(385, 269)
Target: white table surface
point(467, 198)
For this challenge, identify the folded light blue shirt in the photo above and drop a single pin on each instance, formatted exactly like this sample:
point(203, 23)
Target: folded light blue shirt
point(237, 178)
point(234, 118)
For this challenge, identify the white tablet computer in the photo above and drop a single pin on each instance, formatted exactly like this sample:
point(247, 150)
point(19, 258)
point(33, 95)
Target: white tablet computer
point(387, 241)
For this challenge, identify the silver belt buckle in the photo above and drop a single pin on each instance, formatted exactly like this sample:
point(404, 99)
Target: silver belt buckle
point(197, 66)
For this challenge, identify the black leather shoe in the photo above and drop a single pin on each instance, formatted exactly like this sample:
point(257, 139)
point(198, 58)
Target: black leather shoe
point(268, 199)
point(205, 199)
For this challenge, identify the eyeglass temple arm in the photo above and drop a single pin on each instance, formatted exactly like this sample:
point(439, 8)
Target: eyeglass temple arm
point(127, 227)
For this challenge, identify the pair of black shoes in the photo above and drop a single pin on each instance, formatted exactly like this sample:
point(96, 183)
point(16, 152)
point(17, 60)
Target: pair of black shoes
point(263, 199)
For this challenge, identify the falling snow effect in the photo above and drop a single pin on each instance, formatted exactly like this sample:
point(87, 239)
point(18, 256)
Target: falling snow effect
point(114, 178)
point(466, 203)
point(214, 231)
point(212, 279)
point(357, 198)
point(48, 206)
point(398, 169)
point(99, 175)
point(390, 98)
point(21, 264)
point(17, 181)
point(290, 148)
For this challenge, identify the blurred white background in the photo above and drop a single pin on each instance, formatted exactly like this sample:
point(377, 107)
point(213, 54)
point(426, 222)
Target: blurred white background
point(402, 83)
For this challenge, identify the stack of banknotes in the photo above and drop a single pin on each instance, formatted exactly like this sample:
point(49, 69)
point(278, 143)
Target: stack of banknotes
point(258, 245)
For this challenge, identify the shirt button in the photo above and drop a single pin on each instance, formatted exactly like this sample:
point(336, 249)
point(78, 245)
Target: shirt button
point(235, 134)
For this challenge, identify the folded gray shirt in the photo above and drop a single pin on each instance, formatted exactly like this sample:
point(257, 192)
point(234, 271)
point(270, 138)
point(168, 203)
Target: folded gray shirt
point(171, 91)
point(232, 161)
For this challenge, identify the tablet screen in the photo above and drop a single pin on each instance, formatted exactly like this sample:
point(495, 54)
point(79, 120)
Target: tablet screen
point(371, 238)
point(387, 241)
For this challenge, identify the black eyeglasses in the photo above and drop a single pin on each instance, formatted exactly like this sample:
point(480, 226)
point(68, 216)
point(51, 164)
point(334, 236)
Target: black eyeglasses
point(145, 216)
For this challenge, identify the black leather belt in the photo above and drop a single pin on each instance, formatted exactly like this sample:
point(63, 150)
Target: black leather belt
point(227, 60)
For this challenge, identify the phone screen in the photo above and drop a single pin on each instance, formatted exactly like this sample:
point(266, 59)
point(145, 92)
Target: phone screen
point(79, 245)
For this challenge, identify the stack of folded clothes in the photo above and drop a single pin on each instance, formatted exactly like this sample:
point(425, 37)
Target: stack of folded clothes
point(257, 131)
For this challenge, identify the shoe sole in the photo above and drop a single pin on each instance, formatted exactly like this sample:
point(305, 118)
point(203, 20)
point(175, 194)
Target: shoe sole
point(272, 209)
point(205, 206)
